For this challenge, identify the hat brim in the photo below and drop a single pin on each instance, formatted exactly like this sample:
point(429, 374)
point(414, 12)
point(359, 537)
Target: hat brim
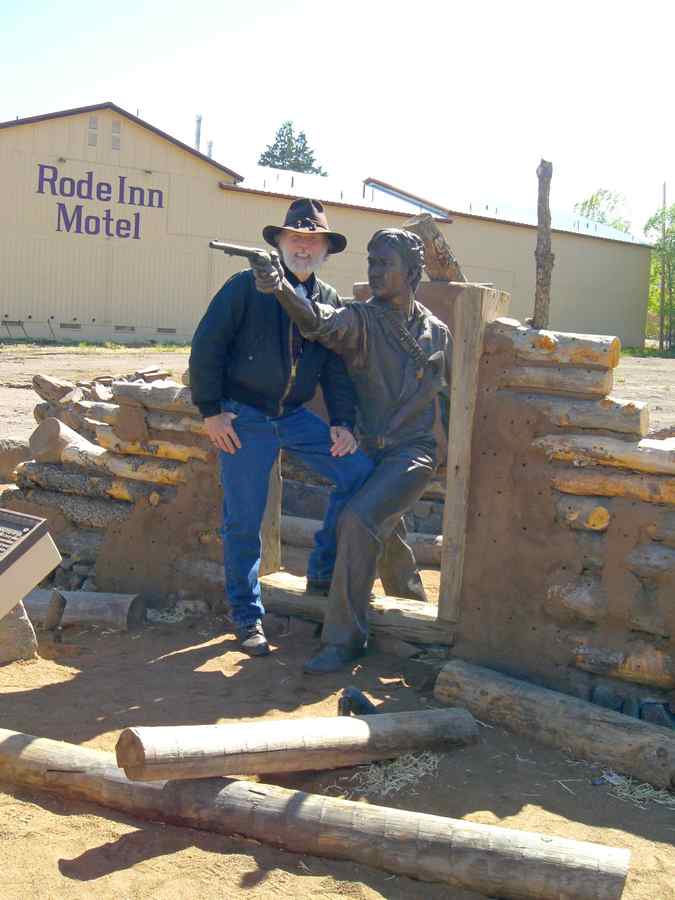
point(336, 242)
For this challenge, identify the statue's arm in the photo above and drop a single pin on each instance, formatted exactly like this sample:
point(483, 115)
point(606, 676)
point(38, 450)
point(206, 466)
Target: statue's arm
point(341, 329)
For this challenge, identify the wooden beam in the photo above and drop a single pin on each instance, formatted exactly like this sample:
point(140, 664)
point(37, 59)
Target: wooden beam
point(572, 380)
point(54, 477)
point(586, 730)
point(504, 862)
point(270, 532)
point(605, 482)
point(297, 745)
point(168, 396)
point(604, 414)
point(84, 512)
point(474, 306)
point(642, 663)
point(657, 457)
point(557, 347)
point(409, 620)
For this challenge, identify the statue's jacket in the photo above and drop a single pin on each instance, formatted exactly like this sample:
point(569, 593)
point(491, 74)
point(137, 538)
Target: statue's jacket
point(247, 349)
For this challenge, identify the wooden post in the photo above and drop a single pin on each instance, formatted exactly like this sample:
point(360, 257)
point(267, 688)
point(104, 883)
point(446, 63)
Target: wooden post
point(543, 255)
point(270, 560)
point(493, 861)
point(474, 307)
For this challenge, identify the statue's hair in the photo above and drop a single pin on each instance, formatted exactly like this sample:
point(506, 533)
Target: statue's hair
point(408, 246)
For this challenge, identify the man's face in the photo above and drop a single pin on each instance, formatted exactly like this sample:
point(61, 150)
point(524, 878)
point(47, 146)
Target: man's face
point(303, 253)
point(387, 275)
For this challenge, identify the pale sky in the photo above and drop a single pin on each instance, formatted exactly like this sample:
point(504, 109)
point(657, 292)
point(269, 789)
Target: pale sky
point(454, 101)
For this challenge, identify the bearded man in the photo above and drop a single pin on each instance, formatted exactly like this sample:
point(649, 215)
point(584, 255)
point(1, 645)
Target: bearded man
point(399, 357)
point(251, 371)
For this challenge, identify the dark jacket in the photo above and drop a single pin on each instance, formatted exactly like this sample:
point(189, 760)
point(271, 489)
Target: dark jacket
point(244, 349)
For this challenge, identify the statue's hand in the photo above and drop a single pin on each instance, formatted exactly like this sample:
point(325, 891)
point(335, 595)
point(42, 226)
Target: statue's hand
point(268, 276)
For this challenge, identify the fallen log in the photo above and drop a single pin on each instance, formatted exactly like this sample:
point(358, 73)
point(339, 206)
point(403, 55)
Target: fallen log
point(286, 745)
point(582, 513)
point(608, 483)
point(572, 380)
point(606, 414)
point(54, 442)
point(409, 620)
point(584, 599)
point(51, 389)
point(494, 861)
point(642, 664)
point(584, 729)
point(297, 531)
point(657, 457)
point(168, 396)
point(558, 347)
point(57, 478)
point(106, 437)
point(84, 512)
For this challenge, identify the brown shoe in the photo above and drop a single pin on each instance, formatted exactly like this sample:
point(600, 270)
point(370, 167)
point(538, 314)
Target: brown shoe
point(252, 639)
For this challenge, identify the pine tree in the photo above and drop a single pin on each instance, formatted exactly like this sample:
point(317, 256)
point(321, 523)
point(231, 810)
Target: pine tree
point(291, 151)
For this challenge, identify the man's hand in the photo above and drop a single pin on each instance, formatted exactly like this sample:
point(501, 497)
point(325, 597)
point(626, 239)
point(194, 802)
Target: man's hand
point(344, 442)
point(221, 433)
point(268, 276)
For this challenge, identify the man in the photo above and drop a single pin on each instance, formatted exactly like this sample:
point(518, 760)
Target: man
point(251, 371)
point(399, 357)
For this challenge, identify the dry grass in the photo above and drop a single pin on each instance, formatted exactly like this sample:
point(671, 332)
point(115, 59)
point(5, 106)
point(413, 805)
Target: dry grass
point(384, 778)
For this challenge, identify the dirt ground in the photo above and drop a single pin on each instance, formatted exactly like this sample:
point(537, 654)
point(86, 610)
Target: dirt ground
point(191, 673)
point(636, 378)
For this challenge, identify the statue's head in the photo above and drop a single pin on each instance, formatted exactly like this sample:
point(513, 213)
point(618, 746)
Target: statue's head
point(395, 260)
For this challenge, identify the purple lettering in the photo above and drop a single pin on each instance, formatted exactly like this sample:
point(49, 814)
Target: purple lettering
point(92, 225)
point(152, 193)
point(123, 228)
point(103, 191)
point(85, 186)
point(137, 227)
point(62, 216)
point(67, 186)
point(136, 196)
point(120, 192)
point(107, 221)
point(44, 178)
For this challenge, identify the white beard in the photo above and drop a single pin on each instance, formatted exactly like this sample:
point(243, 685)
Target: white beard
point(304, 265)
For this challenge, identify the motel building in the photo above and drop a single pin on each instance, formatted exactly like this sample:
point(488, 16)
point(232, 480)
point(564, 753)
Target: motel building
point(105, 223)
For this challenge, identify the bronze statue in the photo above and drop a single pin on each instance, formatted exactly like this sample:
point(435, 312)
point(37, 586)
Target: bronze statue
point(398, 356)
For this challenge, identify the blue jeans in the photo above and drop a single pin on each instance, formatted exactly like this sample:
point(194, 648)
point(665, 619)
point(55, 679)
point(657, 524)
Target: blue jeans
point(245, 477)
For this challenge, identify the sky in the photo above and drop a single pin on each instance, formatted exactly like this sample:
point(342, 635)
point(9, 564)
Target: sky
point(456, 102)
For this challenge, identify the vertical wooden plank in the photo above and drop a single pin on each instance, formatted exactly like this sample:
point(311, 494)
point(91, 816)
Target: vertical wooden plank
point(474, 306)
point(271, 527)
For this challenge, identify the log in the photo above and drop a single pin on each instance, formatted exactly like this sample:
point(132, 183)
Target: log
point(440, 262)
point(642, 664)
point(84, 512)
point(654, 456)
point(119, 611)
point(45, 607)
point(474, 307)
point(57, 478)
point(297, 531)
point(68, 415)
point(168, 396)
point(287, 745)
point(582, 513)
point(106, 437)
point(54, 442)
point(543, 256)
point(572, 380)
point(587, 731)
point(583, 599)
point(51, 389)
point(98, 411)
point(608, 483)
point(533, 345)
point(409, 620)
point(485, 858)
point(607, 414)
point(160, 421)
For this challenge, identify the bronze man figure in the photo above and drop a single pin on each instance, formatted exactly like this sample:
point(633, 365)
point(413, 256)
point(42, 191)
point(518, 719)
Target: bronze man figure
point(398, 356)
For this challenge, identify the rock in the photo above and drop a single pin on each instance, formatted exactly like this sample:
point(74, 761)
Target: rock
point(89, 584)
point(82, 569)
point(607, 697)
point(192, 606)
point(62, 576)
point(17, 636)
point(656, 713)
point(12, 452)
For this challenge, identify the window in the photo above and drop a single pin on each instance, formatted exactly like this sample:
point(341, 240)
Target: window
point(125, 328)
point(93, 123)
point(166, 331)
point(115, 142)
point(92, 138)
point(116, 125)
point(74, 326)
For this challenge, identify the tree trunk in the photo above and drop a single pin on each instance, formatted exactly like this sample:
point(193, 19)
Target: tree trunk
point(106, 437)
point(165, 396)
point(654, 456)
point(295, 745)
point(51, 389)
point(160, 421)
point(559, 380)
point(84, 512)
point(558, 347)
point(409, 620)
point(98, 411)
point(56, 478)
point(494, 861)
point(587, 731)
point(543, 255)
point(607, 414)
point(609, 483)
point(440, 262)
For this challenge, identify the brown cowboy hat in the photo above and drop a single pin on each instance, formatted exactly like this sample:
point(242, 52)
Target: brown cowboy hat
point(306, 216)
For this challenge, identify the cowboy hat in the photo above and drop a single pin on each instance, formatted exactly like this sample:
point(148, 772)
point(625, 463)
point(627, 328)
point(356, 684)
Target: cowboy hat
point(306, 216)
